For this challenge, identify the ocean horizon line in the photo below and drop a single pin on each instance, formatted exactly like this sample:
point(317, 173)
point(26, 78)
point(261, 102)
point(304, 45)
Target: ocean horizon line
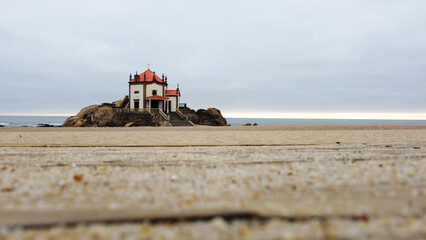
point(15, 121)
point(351, 116)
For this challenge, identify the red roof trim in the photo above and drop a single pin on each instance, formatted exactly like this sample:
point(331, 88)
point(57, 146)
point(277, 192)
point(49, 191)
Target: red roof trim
point(149, 75)
point(157, 97)
point(172, 92)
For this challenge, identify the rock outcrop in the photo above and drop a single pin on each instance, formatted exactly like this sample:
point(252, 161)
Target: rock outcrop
point(117, 103)
point(211, 117)
point(91, 116)
point(104, 116)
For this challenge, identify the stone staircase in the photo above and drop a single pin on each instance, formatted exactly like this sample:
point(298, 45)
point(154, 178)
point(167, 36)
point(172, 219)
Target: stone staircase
point(175, 120)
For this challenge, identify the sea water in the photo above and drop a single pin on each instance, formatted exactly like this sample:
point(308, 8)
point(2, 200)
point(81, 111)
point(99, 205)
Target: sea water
point(291, 121)
point(34, 121)
point(31, 121)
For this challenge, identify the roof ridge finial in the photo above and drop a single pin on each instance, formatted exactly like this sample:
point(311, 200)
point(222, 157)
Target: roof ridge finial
point(136, 77)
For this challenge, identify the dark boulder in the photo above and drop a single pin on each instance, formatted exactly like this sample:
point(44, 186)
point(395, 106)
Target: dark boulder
point(44, 125)
point(211, 117)
point(192, 115)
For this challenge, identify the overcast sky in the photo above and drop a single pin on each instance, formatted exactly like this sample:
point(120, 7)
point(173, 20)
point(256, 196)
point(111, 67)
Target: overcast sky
point(238, 56)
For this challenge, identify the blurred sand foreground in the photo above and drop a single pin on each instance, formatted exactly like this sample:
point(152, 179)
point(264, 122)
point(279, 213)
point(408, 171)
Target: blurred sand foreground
point(263, 182)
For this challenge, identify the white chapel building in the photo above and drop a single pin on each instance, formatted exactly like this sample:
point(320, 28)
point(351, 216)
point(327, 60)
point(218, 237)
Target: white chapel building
point(147, 90)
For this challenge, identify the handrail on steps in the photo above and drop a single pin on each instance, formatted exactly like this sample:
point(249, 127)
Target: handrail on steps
point(162, 114)
point(180, 114)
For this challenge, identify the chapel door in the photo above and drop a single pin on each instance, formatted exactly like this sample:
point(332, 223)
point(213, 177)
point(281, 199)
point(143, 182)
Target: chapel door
point(154, 103)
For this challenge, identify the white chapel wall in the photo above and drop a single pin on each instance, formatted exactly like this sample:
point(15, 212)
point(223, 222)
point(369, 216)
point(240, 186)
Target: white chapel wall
point(136, 96)
point(150, 87)
point(173, 103)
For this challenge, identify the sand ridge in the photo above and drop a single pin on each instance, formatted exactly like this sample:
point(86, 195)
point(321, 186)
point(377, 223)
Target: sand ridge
point(207, 136)
point(329, 183)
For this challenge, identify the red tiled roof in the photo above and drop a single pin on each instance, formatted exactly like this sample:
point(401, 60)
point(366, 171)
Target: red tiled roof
point(156, 97)
point(149, 77)
point(172, 92)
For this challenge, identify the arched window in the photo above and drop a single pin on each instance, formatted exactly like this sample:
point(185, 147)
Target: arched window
point(154, 92)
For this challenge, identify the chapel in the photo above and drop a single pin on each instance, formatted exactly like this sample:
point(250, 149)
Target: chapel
point(149, 91)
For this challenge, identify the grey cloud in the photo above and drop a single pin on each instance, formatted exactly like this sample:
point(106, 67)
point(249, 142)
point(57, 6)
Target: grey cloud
point(238, 55)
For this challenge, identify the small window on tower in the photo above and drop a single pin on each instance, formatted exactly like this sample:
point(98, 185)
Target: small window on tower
point(136, 92)
point(154, 92)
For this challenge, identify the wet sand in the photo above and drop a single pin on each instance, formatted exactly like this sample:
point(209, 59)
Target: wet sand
point(305, 182)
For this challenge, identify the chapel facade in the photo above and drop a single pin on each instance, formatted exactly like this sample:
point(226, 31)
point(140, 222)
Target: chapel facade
point(149, 91)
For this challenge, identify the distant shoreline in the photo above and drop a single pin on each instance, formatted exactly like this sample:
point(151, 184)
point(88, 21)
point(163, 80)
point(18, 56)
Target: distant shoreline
point(33, 121)
point(203, 128)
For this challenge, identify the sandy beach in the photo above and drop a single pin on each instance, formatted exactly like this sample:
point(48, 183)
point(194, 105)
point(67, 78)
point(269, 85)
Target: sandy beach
point(258, 182)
